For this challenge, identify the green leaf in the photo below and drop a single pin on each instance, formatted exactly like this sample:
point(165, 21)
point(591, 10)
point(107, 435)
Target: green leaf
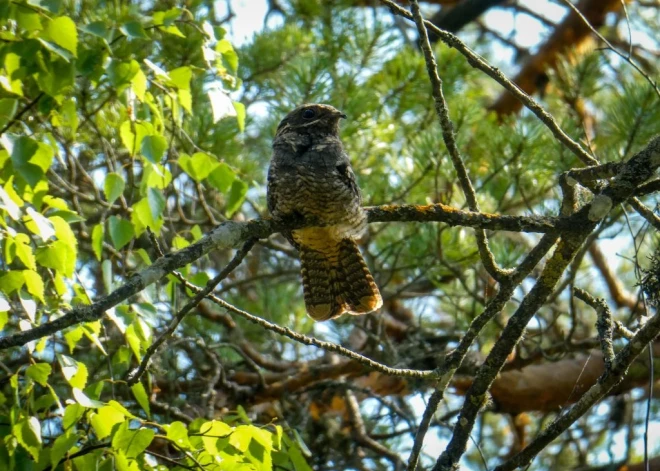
point(57, 256)
point(30, 159)
point(133, 341)
point(75, 372)
point(241, 437)
point(62, 446)
point(72, 414)
point(185, 99)
point(34, 284)
point(8, 107)
point(105, 419)
point(27, 19)
point(58, 76)
point(39, 372)
point(167, 17)
point(222, 177)
point(153, 147)
point(122, 73)
point(121, 231)
point(97, 28)
point(298, 460)
point(28, 434)
point(67, 116)
point(141, 396)
point(211, 433)
point(132, 134)
point(236, 196)
point(181, 77)
point(122, 463)
point(121, 409)
point(85, 401)
point(156, 176)
point(73, 336)
point(139, 84)
point(63, 32)
point(64, 233)
point(240, 115)
point(178, 433)
point(97, 240)
point(12, 281)
point(113, 187)
point(156, 202)
point(199, 166)
point(132, 442)
point(12, 85)
point(143, 216)
point(24, 251)
point(134, 29)
point(225, 48)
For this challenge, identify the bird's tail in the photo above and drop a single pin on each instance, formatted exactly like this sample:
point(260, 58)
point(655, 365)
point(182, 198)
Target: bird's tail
point(337, 280)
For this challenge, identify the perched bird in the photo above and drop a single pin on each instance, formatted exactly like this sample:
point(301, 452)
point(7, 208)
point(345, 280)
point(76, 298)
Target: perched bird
point(311, 178)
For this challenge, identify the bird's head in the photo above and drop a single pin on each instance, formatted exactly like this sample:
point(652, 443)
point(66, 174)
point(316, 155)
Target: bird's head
point(312, 119)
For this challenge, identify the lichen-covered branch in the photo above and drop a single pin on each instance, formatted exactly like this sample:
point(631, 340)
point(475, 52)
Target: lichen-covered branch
point(230, 234)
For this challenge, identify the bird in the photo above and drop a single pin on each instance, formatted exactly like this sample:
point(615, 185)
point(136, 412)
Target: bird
point(310, 179)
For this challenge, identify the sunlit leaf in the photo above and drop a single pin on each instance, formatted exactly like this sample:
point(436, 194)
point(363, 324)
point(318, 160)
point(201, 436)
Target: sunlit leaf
point(63, 32)
point(240, 115)
point(39, 372)
point(132, 442)
point(85, 401)
point(153, 147)
point(121, 231)
point(105, 419)
point(113, 187)
point(28, 434)
point(62, 446)
point(34, 284)
point(236, 197)
point(141, 396)
point(97, 240)
point(221, 105)
point(134, 29)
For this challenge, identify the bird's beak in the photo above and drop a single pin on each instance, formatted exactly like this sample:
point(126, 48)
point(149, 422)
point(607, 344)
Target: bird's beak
point(339, 114)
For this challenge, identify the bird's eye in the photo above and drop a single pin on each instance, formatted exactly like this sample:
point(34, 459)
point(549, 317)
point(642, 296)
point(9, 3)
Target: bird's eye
point(308, 113)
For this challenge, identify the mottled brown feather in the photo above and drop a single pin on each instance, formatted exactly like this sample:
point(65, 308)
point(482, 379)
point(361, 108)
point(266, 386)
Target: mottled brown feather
point(310, 178)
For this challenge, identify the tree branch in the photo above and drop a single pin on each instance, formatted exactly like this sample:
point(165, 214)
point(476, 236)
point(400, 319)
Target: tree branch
point(634, 172)
point(232, 234)
point(442, 110)
point(478, 62)
point(606, 382)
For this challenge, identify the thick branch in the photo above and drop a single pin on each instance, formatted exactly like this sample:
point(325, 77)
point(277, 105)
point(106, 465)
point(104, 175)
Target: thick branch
point(633, 173)
point(605, 384)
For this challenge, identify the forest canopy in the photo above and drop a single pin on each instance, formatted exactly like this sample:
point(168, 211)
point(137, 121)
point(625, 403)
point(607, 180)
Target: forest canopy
point(151, 311)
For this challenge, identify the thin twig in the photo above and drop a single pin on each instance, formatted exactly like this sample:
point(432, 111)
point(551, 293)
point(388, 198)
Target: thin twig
point(18, 115)
point(442, 110)
point(603, 324)
point(623, 56)
point(134, 376)
point(478, 62)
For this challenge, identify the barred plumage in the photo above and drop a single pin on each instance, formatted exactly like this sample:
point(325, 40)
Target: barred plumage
point(310, 177)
